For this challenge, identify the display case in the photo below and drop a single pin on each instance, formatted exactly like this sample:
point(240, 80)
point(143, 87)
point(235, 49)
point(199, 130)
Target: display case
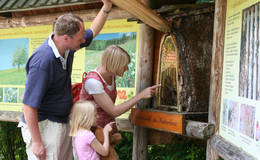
point(167, 94)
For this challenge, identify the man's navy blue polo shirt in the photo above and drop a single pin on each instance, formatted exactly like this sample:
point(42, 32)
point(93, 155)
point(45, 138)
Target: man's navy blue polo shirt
point(48, 85)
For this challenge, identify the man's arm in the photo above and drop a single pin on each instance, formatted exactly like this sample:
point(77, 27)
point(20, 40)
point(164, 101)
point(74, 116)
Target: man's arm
point(31, 119)
point(101, 18)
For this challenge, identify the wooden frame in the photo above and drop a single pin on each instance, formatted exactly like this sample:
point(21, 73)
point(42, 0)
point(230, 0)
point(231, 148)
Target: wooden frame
point(166, 60)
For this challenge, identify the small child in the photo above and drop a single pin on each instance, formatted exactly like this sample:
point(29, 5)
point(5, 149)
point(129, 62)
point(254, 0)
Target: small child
point(86, 146)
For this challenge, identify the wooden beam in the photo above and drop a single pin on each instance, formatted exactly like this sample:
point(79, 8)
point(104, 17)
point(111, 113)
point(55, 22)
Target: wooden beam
point(167, 122)
point(10, 116)
point(178, 7)
point(216, 70)
point(48, 19)
point(144, 79)
point(228, 151)
point(144, 13)
point(172, 16)
point(193, 129)
point(199, 130)
point(124, 125)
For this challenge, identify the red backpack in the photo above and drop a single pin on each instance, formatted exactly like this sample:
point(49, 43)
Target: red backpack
point(77, 87)
point(76, 91)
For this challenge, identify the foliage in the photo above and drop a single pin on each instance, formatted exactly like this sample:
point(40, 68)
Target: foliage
point(174, 151)
point(124, 147)
point(20, 57)
point(128, 79)
point(102, 44)
point(11, 142)
point(10, 95)
point(178, 151)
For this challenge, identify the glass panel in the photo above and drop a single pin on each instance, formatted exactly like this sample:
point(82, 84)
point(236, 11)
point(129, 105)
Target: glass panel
point(168, 73)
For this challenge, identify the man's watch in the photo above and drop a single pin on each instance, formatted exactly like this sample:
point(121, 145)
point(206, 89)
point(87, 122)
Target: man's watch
point(105, 11)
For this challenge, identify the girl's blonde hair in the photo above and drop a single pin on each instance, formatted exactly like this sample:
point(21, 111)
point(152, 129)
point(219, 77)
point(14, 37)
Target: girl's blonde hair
point(83, 116)
point(114, 59)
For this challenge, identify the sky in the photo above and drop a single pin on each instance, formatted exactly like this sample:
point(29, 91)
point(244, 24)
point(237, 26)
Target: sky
point(107, 36)
point(7, 48)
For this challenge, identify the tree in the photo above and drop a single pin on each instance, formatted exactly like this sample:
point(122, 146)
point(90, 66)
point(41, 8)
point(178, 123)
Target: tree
point(124, 38)
point(19, 57)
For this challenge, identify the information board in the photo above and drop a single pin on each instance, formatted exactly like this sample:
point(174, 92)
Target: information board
point(18, 44)
point(240, 100)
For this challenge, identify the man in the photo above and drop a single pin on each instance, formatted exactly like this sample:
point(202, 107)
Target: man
point(48, 97)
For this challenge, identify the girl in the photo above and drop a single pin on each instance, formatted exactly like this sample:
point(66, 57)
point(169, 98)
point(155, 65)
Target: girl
point(86, 145)
point(100, 86)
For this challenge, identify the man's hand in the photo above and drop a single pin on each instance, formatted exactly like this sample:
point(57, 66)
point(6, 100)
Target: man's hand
point(107, 4)
point(31, 118)
point(39, 150)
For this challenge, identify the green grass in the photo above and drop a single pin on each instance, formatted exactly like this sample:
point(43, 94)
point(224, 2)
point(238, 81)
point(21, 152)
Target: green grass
point(92, 59)
point(13, 77)
point(129, 46)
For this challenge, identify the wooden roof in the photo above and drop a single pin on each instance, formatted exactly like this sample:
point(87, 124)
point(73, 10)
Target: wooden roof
point(27, 5)
point(28, 8)
point(23, 5)
point(20, 8)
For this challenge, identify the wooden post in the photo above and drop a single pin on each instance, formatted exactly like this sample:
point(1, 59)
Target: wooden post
point(145, 65)
point(144, 79)
point(216, 71)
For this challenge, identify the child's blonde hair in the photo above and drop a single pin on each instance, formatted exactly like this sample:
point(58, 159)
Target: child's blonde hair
point(83, 116)
point(114, 59)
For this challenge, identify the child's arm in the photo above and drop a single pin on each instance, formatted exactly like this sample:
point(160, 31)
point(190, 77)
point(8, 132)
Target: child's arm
point(103, 150)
